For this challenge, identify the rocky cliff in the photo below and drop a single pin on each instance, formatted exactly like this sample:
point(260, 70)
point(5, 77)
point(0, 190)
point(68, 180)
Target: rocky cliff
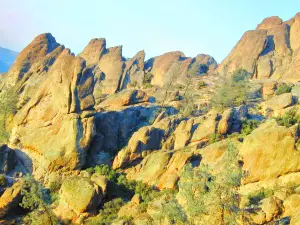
point(161, 141)
point(271, 51)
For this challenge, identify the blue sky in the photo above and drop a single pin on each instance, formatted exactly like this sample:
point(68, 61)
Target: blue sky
point(157, 26)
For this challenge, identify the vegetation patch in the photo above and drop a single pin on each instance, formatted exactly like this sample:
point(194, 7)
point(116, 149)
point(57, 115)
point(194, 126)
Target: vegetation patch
point(232, 91)
point(256, 197)
point(288, 119)
point(283, 88)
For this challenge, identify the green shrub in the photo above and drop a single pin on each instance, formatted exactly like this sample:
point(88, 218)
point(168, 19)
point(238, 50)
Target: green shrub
point(108, 213)
point(288, 119)
point(232, 91)
point(214, 138)
point(32, 194)
point(2, 180)
point(8, 107)
point(256, 197)
point(283, 88)
point(147, 78)
point(201, 84)
point(106, 171)
point(148, 85)
point(248, 126)
point(125, 188)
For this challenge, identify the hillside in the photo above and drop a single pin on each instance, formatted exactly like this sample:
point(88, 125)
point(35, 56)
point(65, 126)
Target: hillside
point(7, 58)
point(95, 138)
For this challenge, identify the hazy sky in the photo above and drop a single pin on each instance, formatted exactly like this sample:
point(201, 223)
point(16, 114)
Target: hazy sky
point(157, 26)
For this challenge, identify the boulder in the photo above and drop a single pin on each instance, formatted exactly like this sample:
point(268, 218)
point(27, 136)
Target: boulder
point(100, 180)
point(269, 152)
point(132, 208)
point(162, 168)
point(78, 195)
point(225, 123)
point(279, 102)
point(292, 205)
point(146, 138)
point(272, 208)
point(207, 127)
point(269, 88)
point(183, 133)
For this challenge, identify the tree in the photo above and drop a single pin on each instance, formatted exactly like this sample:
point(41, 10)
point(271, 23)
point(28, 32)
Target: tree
point(232, 91)
point(206, 192)
point(226, 186)
point(8, 107)
point(193, 189)
point(172, 212)
point(35, 199)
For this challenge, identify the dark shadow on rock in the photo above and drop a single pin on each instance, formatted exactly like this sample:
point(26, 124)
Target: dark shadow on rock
point(24, 163)
point(270, 46)
point(115, 128)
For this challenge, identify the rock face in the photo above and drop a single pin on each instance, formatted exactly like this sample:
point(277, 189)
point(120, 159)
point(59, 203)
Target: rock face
point(269, 152)
point(125, 98)
point(273, 53)
point(55, 112)
point(161, 168)
point(173, 67)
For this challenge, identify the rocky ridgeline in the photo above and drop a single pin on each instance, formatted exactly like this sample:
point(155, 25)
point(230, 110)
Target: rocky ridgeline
point(271, 51)
point(98, 108)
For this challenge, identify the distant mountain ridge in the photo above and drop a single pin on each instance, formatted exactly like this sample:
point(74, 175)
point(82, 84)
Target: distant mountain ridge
point(7, 58)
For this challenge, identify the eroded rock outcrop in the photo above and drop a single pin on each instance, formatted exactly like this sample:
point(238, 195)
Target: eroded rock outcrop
point(173, 67)
point(273, 53)
point(269, 152)
point(55, 111)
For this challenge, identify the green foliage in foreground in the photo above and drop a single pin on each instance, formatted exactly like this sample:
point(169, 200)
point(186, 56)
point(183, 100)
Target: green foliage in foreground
point(2, 180)
point(8, 107)
point(256, 197)
point(283, 88)
point(123, 187)
point(232, 91)
point(288, 119)
point(108, 213)
point(36, 200)
point(122, 190)
point(205, 192)
point(248, 126)
point(172, 212)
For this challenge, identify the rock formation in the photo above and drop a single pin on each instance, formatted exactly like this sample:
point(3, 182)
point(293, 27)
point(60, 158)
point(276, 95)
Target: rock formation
point(273, 53)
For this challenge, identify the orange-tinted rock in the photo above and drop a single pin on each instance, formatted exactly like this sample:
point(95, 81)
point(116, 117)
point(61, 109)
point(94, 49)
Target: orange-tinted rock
point(269, 52)
point(295, 33)
point(37, 55)
point(134, 71)
point(94, 51)
point(245, 53)
point(269, 22)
